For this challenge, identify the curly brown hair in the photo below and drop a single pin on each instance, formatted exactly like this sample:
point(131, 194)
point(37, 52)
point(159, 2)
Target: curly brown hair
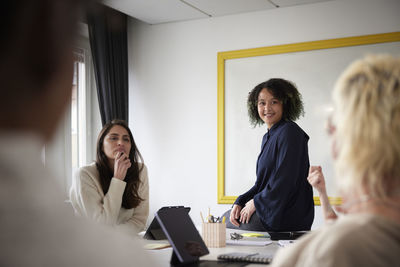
point(285, 91)
point(130, 198)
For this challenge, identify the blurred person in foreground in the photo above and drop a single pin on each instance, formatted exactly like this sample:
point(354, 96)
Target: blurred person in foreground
point(37, 229)
point(366, 150)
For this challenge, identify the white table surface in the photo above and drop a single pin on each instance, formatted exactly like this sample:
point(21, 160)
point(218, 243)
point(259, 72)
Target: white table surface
point(163, 256)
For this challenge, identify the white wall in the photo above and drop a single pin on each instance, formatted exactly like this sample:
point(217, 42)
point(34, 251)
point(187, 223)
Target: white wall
point(173, 86)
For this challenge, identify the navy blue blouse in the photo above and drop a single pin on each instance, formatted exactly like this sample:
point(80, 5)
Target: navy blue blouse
point(282, 196)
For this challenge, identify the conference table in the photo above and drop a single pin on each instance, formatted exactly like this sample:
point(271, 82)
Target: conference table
point(163, 256)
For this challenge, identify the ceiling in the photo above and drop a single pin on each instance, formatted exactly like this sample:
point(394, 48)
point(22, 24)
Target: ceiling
point(163, 11)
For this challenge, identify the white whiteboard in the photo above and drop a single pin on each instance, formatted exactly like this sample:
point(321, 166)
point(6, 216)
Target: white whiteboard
point(314, 72)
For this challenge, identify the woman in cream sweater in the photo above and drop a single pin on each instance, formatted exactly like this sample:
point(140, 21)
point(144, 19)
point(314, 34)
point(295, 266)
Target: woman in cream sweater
point(114, 190)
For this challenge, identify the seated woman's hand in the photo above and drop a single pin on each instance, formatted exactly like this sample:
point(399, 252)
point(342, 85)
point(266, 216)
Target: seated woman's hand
point(316, 179)
point(235, 215)
point(121, 165)
point(247, 211)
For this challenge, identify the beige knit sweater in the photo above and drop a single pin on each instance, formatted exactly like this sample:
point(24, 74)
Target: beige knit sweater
point(362, 239)
point(88, 200)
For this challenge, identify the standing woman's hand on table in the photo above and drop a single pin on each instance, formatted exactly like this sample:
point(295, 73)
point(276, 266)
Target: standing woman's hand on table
point(247, 211)
point(235, 215)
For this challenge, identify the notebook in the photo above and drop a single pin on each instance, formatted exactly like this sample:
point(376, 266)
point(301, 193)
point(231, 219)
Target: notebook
point(246, 257)
point(241, 242)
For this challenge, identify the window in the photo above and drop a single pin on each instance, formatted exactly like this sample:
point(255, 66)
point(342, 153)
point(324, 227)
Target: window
point(74, 143)
point(78, 112)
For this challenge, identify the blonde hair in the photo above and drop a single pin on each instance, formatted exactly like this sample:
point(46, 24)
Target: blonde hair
point(367, 118)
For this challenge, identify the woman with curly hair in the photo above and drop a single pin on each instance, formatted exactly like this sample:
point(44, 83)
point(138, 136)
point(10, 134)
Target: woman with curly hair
point(281, 199)
point(114, 190)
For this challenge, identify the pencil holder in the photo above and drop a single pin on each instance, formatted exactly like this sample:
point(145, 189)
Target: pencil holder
point(214, 234)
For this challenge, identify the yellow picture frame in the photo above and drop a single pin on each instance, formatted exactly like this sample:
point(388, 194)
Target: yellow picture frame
point(273, 50)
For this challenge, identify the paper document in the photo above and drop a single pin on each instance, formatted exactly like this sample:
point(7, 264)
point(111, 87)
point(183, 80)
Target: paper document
point(248, 242)
point(285, 243)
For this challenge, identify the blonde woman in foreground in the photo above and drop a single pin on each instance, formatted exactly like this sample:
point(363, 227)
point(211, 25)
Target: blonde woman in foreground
point(366, 150)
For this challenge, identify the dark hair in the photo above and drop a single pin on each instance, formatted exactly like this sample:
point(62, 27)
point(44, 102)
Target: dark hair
point(284, 91)
point(131, 198)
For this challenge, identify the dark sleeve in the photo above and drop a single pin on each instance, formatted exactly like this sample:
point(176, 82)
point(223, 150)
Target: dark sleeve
point(242, 199)
point(291, 158)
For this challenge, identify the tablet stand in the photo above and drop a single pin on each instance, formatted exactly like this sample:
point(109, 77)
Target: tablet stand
point(175, 262)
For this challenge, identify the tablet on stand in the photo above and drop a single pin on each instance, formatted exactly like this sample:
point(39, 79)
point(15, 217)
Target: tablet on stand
point(187, 244)
point(154, 231)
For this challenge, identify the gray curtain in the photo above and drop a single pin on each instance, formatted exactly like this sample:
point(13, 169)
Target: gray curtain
point(108, 42)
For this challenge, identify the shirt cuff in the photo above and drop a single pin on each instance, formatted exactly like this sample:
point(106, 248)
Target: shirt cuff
point(116, 186)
